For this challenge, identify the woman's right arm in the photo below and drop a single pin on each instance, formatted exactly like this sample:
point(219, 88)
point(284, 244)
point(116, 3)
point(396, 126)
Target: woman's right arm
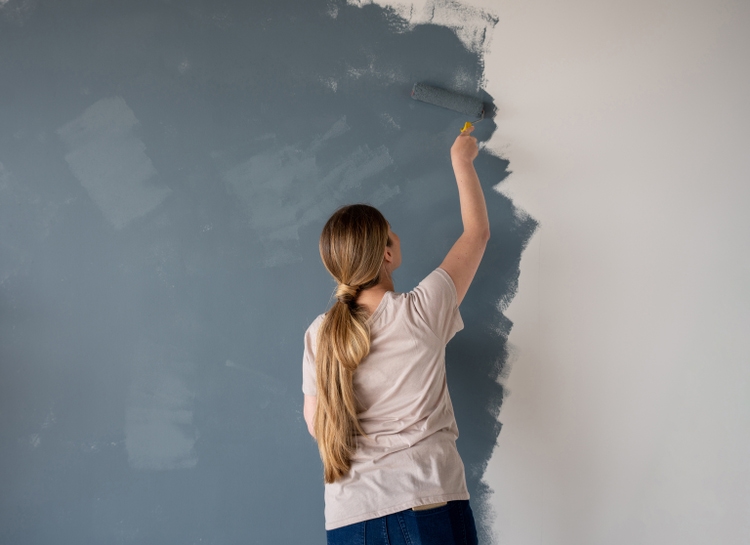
point(464, 257)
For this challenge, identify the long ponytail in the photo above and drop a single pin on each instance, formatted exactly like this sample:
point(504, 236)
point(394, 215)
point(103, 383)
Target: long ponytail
point(352, 247)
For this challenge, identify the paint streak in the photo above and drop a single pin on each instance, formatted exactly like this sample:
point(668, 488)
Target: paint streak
point(111, 163)
point(472, 25)
point(373, 69)
point(331, 9)
point(284, 189)
point(17, 11)
point(159, 431)
point(389, 122)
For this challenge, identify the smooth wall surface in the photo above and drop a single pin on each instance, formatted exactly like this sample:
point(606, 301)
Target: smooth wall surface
point(627, 129)
point(165, 171)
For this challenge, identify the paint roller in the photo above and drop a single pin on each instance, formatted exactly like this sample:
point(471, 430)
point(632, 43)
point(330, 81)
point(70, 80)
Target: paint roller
point(472, 107)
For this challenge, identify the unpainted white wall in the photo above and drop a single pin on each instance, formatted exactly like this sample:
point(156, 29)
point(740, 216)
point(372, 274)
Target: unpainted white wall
point(627, 126)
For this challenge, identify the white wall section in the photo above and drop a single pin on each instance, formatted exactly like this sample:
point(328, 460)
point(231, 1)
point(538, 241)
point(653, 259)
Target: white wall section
point(626, 128)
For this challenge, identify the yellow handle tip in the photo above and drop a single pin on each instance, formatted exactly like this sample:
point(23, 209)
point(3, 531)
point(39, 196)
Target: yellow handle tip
point(467, 126)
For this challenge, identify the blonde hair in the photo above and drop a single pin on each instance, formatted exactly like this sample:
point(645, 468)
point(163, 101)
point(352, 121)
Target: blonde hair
point(352, 246)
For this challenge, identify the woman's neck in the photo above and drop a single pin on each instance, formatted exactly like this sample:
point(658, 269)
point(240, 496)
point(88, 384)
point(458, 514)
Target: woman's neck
point(371, 297)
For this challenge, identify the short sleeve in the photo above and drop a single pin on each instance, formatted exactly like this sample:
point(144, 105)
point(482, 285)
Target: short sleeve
point(435, 301)
point(308, 359)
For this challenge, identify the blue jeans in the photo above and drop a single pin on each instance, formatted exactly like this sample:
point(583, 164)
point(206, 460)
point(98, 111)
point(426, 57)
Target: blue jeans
point(451, 524)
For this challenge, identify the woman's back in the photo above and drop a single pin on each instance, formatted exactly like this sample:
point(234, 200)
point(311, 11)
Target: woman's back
point(405, 408)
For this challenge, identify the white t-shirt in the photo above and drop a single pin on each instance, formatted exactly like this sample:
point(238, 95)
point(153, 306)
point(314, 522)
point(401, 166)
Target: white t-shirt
point(409, 457)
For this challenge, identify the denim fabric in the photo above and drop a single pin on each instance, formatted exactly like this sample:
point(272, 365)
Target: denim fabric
point(451, 524)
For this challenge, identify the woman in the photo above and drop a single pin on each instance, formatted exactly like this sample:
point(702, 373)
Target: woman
point(376, 398)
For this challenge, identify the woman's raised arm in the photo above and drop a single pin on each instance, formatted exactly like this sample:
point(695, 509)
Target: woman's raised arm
point(464, 257)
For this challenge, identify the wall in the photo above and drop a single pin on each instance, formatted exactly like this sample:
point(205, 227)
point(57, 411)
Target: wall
point(626, 127)
point(628, 389)
point(165, 170)
point(158, 259)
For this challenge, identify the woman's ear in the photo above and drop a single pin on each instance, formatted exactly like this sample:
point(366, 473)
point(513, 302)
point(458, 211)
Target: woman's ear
point(388, 256)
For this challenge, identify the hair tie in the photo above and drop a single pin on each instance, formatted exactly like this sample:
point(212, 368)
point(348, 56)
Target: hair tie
point(346, 293)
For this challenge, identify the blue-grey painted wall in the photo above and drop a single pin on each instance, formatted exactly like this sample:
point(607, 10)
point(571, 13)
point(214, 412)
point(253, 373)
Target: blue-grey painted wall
point(165, 170)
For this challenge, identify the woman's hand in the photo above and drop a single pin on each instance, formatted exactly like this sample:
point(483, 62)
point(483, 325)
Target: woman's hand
point(465, 147)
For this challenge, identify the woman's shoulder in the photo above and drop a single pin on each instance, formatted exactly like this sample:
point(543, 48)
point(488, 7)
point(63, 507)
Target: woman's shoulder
point(435, 304)
point(315, 324)
point(437, 281)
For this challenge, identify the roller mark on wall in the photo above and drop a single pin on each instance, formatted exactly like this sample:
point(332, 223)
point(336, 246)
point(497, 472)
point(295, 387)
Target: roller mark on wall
point(332, 10)
point(17, 11)
point(284, 189)
point(330, 83)
point(383, 194)
point(111, 163)
point(336, 130)
point(159, 431)
point(389, 122)
point(472, 25)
